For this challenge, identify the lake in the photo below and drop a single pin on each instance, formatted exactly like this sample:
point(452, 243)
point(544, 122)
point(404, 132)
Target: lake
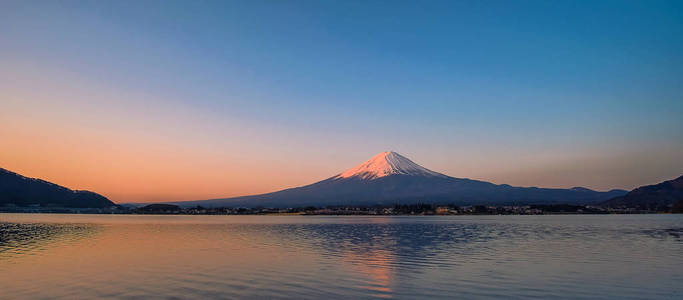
point(353, 257)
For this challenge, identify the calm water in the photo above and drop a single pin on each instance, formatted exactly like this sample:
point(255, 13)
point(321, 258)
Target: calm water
point(303, 257)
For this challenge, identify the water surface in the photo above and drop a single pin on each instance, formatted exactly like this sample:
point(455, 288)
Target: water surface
point(311, 257)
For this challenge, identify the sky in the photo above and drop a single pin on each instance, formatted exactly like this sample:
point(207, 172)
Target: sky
point(147, 101)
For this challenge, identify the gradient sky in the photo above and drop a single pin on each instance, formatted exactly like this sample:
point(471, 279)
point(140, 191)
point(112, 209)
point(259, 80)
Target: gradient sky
point(158, 101)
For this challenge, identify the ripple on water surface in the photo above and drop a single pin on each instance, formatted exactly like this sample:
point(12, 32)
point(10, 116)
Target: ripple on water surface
point(17, 239)
point(129, 257)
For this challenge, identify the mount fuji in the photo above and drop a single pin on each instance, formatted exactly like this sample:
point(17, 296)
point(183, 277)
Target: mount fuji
point(391, 178)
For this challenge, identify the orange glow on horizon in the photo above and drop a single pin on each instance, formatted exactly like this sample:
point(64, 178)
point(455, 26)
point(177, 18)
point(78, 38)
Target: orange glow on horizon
point(85, 137)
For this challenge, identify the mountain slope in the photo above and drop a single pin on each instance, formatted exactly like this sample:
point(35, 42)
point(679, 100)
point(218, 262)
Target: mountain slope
point(23, 191)
point(390, 178)
point(651, 197)
point(387, 164)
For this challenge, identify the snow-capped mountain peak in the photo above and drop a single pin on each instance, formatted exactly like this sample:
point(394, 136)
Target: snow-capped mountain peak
point(385, 164)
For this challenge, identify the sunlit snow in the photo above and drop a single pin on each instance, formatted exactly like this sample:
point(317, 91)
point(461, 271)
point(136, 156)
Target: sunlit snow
point(385, 164)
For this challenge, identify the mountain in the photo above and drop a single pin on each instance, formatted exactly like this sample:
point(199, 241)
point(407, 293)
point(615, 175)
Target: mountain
point(23, 191)
point(659, 197)
point(390, 178)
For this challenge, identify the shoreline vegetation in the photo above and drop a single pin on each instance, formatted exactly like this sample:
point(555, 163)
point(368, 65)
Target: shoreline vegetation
point(381, 210)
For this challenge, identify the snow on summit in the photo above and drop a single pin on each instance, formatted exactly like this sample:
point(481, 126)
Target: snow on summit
point(385, 164)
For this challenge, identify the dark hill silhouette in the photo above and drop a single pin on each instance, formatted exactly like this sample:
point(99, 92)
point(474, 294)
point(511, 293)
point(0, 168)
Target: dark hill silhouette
point(160, 207)
point(18, 190)
point(659, 197)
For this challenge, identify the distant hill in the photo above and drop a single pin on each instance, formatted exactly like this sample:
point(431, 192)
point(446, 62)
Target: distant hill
point(659, 197)
point(23, 191)
point(159, 207)
point(390, 178)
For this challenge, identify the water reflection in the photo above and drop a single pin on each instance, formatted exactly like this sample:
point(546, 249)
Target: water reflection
point(18, 239)
point(664, 233)
point(377, 269)
point(328, 257)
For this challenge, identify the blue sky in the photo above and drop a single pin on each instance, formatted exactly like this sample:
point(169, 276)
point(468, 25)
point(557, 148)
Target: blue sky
point(548, 93)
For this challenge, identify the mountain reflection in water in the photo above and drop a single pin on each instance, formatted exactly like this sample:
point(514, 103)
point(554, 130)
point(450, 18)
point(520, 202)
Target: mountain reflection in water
point(306, 257)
